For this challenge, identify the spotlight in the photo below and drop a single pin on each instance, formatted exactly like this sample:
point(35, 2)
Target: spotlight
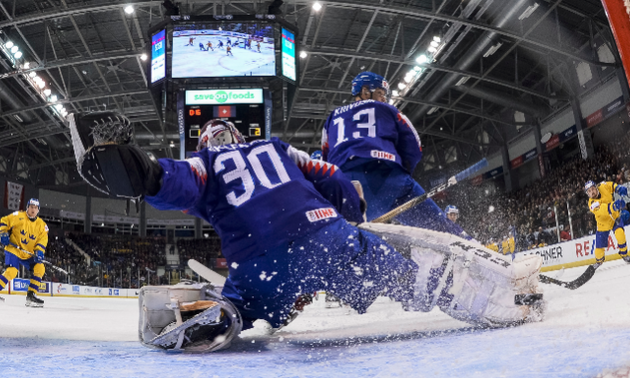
point(53, 98)
point(317, 6)
point(14, 49)
point(431, 49)
point(143, 57)
point(434, 44)
point(437, 39)
point(41, 84)
point(32, 75)
point(8, 45)
point(402, 86)
point(303, 54)
point(26, 65)
point(129, 9)
point(17, 55)
point(47, 92)
point(422, 59)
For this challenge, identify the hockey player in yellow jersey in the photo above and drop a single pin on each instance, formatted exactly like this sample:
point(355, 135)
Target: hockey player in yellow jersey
point(610, 216)
point(23, 230)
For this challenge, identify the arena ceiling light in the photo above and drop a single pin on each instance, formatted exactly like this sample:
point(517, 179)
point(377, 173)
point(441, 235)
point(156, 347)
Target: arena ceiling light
point(422, 59)
point(437, 39)
point(143, 57)
point(402, 86)
point(303, 54)
point(317, 6)
point(129, 9)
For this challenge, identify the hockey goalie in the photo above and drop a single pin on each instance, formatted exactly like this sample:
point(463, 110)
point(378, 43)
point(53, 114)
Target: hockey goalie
point(288, 227)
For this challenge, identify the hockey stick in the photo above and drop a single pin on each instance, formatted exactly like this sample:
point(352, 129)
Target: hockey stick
point(576, 283)
point(46, 262)
point(414, 202)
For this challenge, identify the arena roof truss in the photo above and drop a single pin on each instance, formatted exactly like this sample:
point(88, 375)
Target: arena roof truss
point(489, 70)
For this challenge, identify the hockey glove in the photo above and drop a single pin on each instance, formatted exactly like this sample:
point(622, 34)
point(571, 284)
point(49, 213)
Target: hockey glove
point(107, 159)
point(624, 216)
point(621, 190)
point(39, 257)
point(618, 205)
point(5, 238)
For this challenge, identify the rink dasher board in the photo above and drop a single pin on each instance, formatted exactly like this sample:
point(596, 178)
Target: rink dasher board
point(19, 286)
point(574, 253)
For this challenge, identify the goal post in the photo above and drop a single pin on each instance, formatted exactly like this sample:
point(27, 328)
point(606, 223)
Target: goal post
point(618, 13)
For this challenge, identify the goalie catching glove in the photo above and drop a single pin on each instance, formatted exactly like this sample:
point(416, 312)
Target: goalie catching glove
point(108, 160)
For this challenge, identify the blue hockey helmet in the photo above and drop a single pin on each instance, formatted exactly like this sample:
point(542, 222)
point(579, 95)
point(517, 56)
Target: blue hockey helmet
point(450, 209)
point(317, 155)
point(590, 184)
point(32, 201)
point(371, 80)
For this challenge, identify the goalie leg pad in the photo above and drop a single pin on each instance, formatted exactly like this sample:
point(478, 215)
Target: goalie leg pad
point(187, 317)
point(464, 279)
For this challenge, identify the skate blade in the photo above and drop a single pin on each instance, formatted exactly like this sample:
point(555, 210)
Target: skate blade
point(34, 305)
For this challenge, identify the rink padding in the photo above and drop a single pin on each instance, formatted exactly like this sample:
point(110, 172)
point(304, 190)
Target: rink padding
point(19, 286)
point(574, 253)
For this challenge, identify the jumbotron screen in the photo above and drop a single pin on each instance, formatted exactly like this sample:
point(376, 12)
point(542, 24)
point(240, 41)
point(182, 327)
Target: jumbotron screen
point(223, 49)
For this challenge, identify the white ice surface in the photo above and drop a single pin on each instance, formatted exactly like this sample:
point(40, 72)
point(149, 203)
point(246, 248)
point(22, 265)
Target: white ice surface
point(586, 333)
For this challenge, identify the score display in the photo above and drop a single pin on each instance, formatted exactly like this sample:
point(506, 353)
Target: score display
point(246, 108)
point(158, 56)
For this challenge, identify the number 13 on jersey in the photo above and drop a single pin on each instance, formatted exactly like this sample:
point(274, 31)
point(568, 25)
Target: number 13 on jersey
point(358, 128)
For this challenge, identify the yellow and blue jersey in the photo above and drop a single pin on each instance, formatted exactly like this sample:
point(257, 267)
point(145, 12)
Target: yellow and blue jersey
point(26, 234)
point(602, 207)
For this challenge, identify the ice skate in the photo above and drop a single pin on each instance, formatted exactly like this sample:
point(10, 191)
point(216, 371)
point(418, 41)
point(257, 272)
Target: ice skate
point(33, 301)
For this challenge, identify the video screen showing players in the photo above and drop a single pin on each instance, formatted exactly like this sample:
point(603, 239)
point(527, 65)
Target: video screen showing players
point(225, 49)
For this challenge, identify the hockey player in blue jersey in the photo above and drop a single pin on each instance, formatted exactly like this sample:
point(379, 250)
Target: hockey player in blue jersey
point(284, 223)
point(374, 143)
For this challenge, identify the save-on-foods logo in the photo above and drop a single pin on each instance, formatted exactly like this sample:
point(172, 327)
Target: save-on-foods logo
point(230, 96)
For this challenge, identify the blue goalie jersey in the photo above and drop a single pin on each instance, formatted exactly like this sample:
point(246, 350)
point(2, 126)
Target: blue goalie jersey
point(370, 130)
point(257, 195)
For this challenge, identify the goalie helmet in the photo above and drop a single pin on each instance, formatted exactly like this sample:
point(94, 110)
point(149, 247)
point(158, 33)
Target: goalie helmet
point(217, 132)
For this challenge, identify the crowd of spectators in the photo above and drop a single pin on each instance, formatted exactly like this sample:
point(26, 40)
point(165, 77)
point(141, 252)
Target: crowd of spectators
point(123, 260)
point(526, 218)
point(203, 250)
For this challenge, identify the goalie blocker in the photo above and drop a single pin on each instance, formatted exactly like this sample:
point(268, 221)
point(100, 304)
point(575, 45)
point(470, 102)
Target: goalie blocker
point(466, 280)
point(107, 159)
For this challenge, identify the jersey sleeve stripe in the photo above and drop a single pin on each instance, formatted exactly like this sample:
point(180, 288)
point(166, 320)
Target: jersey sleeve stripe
point(43, 248)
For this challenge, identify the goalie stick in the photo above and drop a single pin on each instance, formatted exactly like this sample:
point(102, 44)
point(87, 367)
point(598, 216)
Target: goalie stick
point(576, 283)
point(206, 273)
point(415, 201)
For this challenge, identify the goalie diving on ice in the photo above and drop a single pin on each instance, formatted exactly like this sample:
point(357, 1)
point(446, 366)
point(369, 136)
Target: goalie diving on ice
point(284, 224)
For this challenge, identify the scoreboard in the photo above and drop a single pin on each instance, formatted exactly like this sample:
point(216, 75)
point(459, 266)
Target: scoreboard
point(248, 109)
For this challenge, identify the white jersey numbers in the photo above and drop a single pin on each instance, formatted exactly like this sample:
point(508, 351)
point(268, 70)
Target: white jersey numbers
point(243, 173)
point(363, 129)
